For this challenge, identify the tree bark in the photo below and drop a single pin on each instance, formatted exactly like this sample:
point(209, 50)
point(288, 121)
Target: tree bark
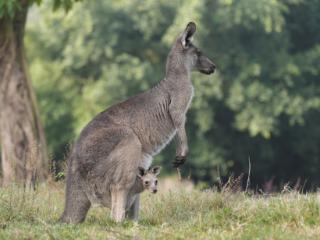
point(23, 148)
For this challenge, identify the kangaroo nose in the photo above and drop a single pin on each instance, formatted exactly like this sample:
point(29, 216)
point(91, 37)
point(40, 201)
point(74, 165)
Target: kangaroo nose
point(212, 68)
point(155, 190)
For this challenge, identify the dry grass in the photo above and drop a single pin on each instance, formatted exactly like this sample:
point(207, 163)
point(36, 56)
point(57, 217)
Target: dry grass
point(177, 212)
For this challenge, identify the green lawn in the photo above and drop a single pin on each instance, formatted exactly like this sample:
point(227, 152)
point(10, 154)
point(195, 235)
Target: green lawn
point(175, 214)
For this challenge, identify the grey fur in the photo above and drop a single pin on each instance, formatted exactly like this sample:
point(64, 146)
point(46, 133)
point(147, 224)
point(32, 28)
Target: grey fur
point(124, 137)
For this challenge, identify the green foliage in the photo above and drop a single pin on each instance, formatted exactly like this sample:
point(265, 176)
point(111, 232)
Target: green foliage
point(9, 7)
point(177, 214)
point(263, 102)
point(65, 4)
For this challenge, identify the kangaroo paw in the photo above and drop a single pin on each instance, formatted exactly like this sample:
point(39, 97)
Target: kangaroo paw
point(178, 161)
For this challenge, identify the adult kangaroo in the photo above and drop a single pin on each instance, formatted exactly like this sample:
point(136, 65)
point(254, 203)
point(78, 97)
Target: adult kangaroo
point(117, 141)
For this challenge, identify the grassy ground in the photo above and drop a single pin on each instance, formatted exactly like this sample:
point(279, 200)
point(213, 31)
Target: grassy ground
point(174, 214)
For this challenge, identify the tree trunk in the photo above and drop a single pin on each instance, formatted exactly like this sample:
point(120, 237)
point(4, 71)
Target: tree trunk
point(23, 148)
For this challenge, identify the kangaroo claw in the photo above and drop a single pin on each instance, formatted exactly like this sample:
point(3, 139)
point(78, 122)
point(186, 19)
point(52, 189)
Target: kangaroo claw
point(178, 161)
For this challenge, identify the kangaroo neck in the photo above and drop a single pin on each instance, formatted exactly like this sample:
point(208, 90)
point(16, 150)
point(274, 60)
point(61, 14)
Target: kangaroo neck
point(177, 75)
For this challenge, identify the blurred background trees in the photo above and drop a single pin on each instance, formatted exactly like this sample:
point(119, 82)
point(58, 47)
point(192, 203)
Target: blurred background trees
point(262, 104)
point(24, 156)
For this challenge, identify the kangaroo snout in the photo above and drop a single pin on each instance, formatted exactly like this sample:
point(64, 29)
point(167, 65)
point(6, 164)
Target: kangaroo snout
point(205, 65)
point(213, 68)
point(209, 70)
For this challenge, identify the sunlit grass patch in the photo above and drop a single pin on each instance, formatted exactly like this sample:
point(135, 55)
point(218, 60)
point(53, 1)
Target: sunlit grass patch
point(171, 214)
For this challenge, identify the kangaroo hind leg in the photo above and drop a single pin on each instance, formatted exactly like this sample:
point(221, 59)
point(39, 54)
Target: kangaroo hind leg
point(124, 161)
point(133, 211)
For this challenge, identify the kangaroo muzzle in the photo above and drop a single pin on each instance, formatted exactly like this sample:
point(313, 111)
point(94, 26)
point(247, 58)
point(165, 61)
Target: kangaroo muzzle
point(205, 65)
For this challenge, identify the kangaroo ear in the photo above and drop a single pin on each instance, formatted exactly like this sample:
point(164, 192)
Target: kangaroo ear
point(155, 170)
point(186, 37)
point(141, 172)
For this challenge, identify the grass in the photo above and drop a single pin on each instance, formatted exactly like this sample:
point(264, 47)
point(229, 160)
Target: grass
point(171, 214)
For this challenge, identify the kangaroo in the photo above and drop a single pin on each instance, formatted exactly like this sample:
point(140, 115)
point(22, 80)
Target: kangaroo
point(127, 135)
point(145, 180)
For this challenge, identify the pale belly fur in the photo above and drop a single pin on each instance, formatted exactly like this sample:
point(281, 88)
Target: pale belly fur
point(147, 157)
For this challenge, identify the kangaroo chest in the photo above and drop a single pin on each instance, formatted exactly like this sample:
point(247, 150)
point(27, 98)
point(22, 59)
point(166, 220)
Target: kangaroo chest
point(178, 105)
point(159, 117)
point(163, 141)
point(189, 97)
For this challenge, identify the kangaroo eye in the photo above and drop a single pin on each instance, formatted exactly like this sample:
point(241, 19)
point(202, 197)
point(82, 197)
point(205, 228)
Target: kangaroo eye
point(146, 182)
point(156, 182)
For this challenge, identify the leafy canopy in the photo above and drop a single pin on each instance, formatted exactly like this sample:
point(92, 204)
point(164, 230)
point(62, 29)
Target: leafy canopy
point(263, 102)
point(8, 8)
